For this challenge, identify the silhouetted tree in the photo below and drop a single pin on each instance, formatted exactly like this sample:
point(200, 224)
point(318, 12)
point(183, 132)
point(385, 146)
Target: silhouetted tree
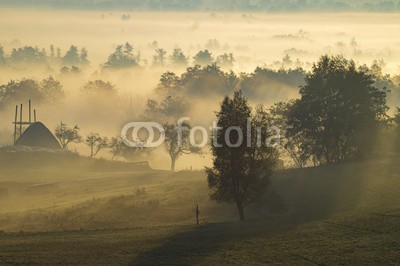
point(170, 107)
point(203, 58)
point(243, 163)
point(52, 90)
point(99, 88)
point(67, 135)
point(178, 59)
point(22, 90)
point(178, 143)
point(169, 84)
point(71, 57)
point(28, 55)
point(116, 146)
point(160, 58)
point(339, 112)
point(225, 60)
point(96, 143)
point(123, 57)
point(207, 81)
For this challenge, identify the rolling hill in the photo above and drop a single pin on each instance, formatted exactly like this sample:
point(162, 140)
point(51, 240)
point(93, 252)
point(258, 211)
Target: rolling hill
point(311, 216)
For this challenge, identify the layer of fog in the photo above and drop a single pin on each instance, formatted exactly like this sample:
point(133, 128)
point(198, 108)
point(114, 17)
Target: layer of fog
point(257, 39)
point(254, 39)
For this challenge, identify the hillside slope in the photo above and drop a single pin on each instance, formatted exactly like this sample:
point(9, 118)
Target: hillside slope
point(316, 192)
point(343, 214)
point(49, 200)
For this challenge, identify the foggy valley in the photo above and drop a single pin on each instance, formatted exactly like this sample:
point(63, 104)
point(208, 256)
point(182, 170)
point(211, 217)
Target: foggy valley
point(320, 84)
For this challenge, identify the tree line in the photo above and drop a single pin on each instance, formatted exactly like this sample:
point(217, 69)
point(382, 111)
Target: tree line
point(50, 91)
point(216, 5)
point(338, 101)
point(123, 56)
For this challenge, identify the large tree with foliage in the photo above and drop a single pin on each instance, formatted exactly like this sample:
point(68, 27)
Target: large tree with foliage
point(292, 143)
point(240, 172)
point(339, 112)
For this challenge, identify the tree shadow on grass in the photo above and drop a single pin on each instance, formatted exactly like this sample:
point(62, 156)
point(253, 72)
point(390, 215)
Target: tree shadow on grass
point(195, 244)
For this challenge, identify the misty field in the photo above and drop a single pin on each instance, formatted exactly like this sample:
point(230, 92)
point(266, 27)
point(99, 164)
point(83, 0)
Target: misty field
point(320, 215)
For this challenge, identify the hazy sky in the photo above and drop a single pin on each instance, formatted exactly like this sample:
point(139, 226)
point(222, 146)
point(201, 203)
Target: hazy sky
point(215, 5)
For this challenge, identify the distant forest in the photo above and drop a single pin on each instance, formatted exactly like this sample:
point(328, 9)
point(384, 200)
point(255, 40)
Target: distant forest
point(216, 5)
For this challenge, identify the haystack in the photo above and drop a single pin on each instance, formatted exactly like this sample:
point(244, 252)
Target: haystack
point(38, 135)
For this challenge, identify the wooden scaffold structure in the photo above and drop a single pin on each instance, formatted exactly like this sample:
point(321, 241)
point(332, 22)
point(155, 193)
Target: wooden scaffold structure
point(21, 123)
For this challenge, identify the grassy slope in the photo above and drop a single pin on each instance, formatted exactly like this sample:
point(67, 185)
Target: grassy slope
point(339, 214)
point(372, 238)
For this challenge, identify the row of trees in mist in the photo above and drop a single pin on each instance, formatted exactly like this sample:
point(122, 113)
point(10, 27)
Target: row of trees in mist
point(50, 91)
point(216, 5)
point(176, 94)
point(124, 56)
point(115, 146)
point(29, 55)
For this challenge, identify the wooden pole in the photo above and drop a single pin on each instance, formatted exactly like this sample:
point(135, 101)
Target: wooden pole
point(20, 120)
point(34, 115)
point(15, 123)
point(30, 120)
